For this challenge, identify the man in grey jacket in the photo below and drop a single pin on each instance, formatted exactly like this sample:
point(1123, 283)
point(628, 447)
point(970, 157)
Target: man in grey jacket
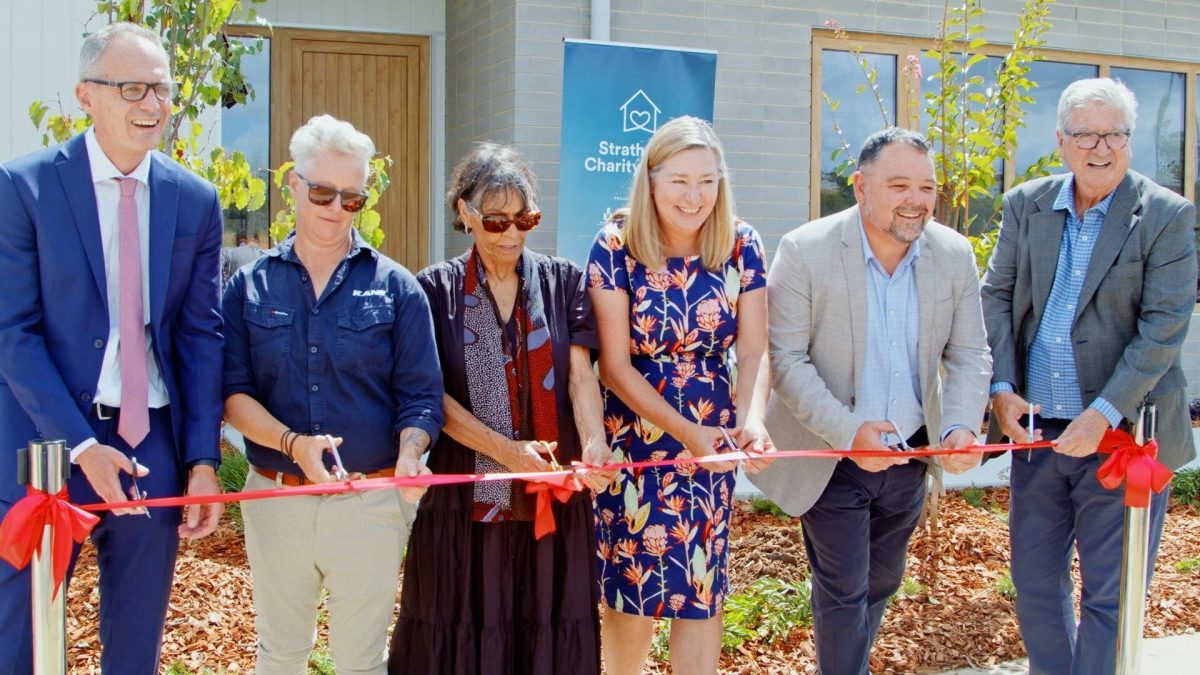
point(1087, 301)
point(876, 341)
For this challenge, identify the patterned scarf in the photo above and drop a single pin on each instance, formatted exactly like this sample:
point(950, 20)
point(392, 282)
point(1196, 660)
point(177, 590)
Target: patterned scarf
point(511, 385)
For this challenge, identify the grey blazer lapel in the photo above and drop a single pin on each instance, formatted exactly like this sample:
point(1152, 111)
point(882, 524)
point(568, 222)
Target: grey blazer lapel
point(1044, 240)
point(927, 284)
point(854, 271)
point(1118, 223)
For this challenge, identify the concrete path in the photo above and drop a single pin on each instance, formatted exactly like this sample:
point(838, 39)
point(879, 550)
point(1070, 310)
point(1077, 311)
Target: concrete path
point(1175, 655)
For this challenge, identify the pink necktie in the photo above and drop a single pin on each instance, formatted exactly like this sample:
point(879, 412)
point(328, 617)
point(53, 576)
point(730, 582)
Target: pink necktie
point(134, 421)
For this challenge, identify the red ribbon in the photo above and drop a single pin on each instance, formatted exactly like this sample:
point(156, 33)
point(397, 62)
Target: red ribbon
point(554, 486)
point(1135, 465)
point(21, 531)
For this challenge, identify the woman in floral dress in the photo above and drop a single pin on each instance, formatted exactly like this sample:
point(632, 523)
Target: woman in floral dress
point(675, 281)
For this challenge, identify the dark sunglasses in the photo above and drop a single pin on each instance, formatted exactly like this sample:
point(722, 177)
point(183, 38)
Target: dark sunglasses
point(322, 195)
point(497, 224)
point(136, 91)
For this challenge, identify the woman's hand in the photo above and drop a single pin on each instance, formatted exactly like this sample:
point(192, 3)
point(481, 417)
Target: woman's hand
point(528, 456)
point(309, 453)
point(753, 439)
point(597, 454)
point(703, 441)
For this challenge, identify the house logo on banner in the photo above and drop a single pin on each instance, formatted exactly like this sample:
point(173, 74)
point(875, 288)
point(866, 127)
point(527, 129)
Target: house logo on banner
point(640, 114)
point(615, 96)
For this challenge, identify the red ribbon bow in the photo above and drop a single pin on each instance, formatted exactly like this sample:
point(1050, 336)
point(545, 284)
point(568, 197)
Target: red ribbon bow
point(21, 531)
point(547, 489)
point(1135, 465)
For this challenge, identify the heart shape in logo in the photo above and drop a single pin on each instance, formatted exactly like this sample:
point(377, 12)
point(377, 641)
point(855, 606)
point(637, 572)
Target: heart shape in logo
point(640, 119)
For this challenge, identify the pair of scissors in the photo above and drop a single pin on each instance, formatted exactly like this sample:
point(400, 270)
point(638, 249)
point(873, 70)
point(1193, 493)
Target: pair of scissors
point(138, 493)
point(339, 471)
point(903, 444)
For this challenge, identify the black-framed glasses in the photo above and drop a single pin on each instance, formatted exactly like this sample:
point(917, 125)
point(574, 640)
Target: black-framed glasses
point(1088, 140)
point(136, 91)
point(322, 195)
point(497, 224)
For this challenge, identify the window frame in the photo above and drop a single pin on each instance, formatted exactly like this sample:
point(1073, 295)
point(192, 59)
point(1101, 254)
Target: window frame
point(904, 46)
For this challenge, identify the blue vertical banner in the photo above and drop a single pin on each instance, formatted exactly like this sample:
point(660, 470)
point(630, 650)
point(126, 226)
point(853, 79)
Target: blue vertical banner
point(614, 97)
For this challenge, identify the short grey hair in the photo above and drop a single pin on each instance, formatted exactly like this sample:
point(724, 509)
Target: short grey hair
point(96, 43)
point(879, 140)
point(489, 169)
point(324, 134)
point(1097, 91)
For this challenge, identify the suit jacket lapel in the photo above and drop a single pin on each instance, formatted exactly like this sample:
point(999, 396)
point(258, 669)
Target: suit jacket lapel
point(855, 271)
point(76, 173)
point(1045, 239)
point(927, 282)
point(1118, 223)
point(164, 205)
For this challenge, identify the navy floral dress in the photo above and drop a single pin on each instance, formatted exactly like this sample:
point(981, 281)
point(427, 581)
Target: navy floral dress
point(663, 533)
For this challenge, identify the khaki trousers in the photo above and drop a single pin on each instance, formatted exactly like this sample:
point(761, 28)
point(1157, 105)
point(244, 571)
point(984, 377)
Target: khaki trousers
point(348, 544)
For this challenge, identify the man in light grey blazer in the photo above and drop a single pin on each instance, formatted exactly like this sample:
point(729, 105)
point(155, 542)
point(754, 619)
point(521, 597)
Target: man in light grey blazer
point(876, 339)
point(1087, 301)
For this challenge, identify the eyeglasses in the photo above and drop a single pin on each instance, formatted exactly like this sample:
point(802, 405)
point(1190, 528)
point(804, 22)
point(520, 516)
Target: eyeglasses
point(1087, 140)
point(497, 224)
point(322, 195)
point(136, 91)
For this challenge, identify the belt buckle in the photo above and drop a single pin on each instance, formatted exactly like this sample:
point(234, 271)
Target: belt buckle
point(100, 412)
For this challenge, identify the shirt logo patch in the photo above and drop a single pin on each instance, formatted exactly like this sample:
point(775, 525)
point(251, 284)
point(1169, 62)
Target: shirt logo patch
point(374, 292)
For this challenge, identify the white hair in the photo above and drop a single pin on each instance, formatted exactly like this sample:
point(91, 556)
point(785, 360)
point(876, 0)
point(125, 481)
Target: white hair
point(324, 134)
point(96, 43)
point(1097, 91)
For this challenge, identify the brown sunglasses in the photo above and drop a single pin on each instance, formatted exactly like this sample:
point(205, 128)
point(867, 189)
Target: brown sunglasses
point(322, 195)
point(498, 224)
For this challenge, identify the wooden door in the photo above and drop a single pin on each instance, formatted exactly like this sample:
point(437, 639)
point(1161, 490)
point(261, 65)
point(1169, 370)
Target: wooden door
point(380, 84)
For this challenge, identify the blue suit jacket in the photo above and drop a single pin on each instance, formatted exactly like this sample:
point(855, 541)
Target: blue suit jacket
point(54, 310)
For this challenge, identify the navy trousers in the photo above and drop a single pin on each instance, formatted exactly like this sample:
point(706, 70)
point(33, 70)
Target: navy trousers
point(856, 536)
point(136, 556)
point(1058, 507)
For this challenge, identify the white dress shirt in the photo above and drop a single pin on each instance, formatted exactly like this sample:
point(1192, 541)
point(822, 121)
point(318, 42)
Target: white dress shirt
point(108, 200)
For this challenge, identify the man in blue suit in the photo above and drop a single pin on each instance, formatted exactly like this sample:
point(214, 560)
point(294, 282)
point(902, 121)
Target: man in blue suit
point(110, 338)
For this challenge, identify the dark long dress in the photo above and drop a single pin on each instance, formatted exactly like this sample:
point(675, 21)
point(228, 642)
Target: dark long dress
point(486, 597)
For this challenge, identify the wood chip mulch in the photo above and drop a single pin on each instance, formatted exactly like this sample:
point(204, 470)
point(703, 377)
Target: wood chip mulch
point(957, 617)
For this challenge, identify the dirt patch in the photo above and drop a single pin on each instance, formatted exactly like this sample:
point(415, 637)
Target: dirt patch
point(957, 616)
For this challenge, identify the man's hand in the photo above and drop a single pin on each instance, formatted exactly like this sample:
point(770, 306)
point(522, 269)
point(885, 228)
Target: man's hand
point(1083, 435)
point(753, 439)
point(1007, 409)
point(102, 465)
point(870, 437)
point(309, 453)
point(201, 520)
point(960, 438)
point(597, 454)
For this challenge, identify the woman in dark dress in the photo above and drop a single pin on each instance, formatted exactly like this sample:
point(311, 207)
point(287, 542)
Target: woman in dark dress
point(481, 593)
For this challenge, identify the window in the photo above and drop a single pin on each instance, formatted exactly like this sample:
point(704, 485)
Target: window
point(1166, 141)
point(247, 128)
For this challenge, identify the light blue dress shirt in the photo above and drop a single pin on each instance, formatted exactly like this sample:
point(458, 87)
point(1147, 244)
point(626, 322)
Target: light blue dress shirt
point(1051, 378)
point(889, 387)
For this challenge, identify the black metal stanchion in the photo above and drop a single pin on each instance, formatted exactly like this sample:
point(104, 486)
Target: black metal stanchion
point(49, 467)
point(1134, 566)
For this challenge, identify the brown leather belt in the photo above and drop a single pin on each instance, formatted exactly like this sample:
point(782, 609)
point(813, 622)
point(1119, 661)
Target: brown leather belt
point(292, 480)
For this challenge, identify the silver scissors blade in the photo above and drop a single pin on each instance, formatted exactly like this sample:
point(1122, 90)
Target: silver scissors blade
point(903, 444)
point(728, 440)
point(339, 471)
point(137, 491)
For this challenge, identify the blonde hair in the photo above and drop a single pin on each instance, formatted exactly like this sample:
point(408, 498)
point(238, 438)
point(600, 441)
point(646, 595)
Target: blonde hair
point(643, 233)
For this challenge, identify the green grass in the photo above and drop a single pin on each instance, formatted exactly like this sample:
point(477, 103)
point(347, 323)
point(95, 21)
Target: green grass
point(1189, 565)
point(319, 661)
point(974, 496)
point(1185, 488)
point(767, 611)
point(232, 476)
point(767, 507)
point(1004, 586)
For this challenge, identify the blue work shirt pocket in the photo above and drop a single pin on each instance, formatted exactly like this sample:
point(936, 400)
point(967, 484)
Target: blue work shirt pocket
point(364, 339)
point(270, 330)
